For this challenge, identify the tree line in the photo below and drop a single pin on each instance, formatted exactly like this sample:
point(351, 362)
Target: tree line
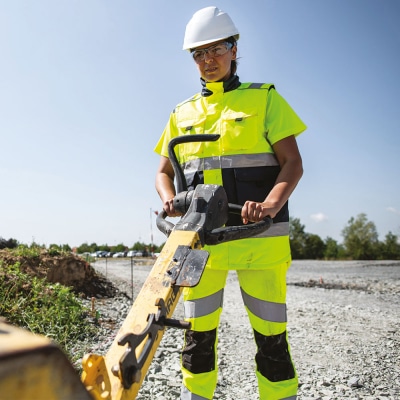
point(360, 242)
point(85, 247)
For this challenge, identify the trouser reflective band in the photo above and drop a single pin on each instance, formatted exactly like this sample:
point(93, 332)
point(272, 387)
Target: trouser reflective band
point(273, 358)
point(266, 310)
point(186, 394)
point(203, 306)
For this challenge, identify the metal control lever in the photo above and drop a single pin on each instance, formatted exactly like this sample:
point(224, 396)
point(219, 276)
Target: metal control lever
point(205, 210)
point(207, 213)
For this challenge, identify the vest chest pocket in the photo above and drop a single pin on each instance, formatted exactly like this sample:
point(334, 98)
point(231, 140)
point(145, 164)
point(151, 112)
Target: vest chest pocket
point(190, 127)
point(241, 130)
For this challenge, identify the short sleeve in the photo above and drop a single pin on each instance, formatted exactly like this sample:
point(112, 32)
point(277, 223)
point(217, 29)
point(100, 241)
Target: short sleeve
point(281, 121)
point(168, 133)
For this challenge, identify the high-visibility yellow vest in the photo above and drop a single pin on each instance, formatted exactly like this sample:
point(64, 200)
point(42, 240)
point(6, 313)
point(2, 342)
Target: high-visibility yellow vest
point(250, 120)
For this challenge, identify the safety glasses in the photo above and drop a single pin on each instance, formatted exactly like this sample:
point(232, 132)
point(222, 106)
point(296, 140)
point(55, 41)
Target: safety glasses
point(213, 51)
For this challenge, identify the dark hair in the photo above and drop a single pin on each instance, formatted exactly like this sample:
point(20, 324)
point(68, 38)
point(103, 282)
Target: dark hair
point(234, 63)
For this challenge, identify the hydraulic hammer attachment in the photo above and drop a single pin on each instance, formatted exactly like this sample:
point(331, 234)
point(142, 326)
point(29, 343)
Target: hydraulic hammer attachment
point(181, 263)
point(120, 373)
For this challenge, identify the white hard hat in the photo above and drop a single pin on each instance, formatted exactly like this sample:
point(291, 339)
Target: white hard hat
point(208, 25)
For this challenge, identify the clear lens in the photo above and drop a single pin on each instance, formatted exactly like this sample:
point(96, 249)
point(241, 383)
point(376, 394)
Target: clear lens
point(213, 51)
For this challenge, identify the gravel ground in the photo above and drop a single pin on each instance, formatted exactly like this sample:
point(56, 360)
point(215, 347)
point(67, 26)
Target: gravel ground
point(343, 330)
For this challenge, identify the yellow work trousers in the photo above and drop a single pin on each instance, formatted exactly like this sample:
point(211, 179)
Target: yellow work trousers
point(264, 297)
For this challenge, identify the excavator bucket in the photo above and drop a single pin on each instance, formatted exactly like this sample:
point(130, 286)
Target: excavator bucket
point(34, 367)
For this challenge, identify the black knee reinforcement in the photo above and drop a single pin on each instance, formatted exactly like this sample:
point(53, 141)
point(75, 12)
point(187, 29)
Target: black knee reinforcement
point(273, 358)
point(198, 355)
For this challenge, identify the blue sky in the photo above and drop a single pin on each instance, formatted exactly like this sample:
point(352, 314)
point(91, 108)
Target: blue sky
point(86, 88)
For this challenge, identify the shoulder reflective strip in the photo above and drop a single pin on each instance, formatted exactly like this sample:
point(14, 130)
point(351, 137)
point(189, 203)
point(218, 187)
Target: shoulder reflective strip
point(266, 310)
point(255, 86)
point(186, 394)
point(258, 86)
point(278, 229)
point(233, 161)
point(204, 306)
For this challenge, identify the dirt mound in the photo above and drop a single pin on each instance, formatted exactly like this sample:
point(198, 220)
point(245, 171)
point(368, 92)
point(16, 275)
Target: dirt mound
point(66, 269)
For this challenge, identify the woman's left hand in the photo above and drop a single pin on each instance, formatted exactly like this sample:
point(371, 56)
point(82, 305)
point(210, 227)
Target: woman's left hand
point(255, 212)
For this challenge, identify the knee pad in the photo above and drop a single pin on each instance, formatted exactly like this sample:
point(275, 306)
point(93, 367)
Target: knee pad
point(273, 358)
point(198, 355)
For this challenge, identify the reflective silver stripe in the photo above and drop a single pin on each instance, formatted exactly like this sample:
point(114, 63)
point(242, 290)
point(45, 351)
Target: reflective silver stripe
point(204, 306)
point(187, 395)
point(255, 86)
point(290, 398)
point(233, 161)
point(266, 310)
point(278, 229)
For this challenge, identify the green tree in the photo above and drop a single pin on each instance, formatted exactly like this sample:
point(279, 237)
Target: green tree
point(158, 249)
point(84, 248)
point(8, 244)
point(331, 249)
point(390, 248)
point(298, 239)
point(60, 248)
point(360, 238)
point(139, 246)
point(315, 247)
point(119, 248)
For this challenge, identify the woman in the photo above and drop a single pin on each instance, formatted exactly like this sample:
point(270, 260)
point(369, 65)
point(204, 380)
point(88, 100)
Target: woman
point(258, 163)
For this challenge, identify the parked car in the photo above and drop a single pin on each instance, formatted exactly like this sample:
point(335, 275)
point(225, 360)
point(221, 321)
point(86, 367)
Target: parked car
point(131, 253)
point(139, 254)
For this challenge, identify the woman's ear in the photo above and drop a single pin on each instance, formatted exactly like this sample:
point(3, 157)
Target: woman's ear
point(234, 52)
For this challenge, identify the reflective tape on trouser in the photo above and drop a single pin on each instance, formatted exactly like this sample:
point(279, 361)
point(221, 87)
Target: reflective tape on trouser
point(186, 394)
point(264, 295)
point(203, 303)
point(204, 306)
point(266, 310)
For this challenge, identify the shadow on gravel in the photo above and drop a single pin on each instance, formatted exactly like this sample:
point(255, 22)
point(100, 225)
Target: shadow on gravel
point(337, 286)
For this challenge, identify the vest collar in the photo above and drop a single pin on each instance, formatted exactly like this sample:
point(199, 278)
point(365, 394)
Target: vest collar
point(210, 88)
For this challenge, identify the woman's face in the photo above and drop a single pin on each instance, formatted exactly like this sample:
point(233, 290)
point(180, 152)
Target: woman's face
point(216, 68)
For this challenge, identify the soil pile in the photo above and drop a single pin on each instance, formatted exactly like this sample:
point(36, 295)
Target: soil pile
point(67, 269)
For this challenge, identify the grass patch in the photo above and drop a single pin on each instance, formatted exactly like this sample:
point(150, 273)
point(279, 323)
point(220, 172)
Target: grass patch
point(49, 309)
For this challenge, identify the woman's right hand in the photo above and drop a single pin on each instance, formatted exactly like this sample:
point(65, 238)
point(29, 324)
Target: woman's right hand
point(165, 186)
point(169, 208)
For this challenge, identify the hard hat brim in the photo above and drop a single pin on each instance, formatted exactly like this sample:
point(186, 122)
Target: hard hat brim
point(235, 35)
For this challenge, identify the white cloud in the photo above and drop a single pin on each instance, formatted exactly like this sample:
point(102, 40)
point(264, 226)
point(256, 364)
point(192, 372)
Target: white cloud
point(319, 217)
point(393, 210)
